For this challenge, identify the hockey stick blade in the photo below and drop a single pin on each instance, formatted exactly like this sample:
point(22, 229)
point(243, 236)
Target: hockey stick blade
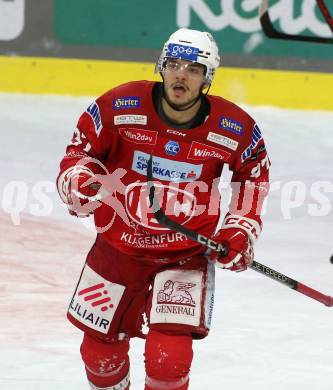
point(271, 32)
point(211, 244)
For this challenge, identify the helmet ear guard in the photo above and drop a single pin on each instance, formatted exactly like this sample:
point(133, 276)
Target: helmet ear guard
point(191, 45)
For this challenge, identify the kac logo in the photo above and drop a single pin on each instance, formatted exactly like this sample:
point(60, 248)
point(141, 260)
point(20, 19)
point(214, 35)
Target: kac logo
point(171, 148)
point(181, 204)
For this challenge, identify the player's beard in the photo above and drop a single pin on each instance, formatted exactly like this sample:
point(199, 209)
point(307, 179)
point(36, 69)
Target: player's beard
point(180, 106)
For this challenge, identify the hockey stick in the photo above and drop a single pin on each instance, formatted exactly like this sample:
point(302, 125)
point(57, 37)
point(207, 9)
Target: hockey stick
point(326, 13)
point(270, 31)
point(211, 244)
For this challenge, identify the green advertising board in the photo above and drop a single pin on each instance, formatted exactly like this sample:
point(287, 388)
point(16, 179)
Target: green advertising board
point(234, 23)
point(83, 47)
point(134, 30)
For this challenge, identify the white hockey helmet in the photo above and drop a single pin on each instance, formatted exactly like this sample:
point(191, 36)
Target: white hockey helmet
point(192, 45)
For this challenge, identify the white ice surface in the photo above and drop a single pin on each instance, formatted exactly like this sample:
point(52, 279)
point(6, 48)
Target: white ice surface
point(264, 335)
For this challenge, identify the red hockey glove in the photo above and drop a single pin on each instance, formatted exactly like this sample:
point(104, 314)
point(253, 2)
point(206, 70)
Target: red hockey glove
point(240, 250)
point(237, 235)
point(83, 194)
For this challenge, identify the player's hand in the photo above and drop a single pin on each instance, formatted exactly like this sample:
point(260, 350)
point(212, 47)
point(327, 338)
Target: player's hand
point(83, 195)
point(239, 247)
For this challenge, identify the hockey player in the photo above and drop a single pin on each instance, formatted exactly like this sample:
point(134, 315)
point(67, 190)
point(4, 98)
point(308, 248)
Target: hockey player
point(137, 267)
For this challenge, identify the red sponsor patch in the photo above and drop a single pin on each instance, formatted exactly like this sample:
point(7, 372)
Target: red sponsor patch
point(139, 136)
point(201, 151)
point(97, 295)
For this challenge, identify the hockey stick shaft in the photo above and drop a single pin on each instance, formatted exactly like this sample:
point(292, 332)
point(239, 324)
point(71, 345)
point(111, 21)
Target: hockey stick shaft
point(211, 244)
point(294, 284)
point(326, 13)
point(270, 31)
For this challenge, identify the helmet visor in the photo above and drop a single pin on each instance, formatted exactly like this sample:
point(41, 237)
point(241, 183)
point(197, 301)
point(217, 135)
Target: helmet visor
point(192, 70)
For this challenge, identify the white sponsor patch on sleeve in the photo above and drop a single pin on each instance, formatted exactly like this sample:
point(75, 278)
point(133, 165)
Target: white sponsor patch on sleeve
point(177, 297)
point(222, 140)
point(130, 119)
point(95, 301)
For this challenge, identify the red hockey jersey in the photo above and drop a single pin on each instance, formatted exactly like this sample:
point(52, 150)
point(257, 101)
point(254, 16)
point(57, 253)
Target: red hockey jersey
point(121, 129)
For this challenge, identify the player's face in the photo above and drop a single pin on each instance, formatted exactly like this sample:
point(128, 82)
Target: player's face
point(183, 81)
